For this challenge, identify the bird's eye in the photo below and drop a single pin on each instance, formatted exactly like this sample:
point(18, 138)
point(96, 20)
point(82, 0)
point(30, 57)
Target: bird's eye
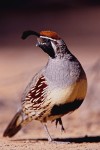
point(43, 41)
point(46, 40)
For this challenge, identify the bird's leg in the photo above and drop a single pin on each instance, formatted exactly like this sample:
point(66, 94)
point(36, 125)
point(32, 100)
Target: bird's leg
point(47, 132)
point(60, 122)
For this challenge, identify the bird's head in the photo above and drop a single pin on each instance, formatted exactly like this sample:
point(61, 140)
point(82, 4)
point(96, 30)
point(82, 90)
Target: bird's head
point(49, 41)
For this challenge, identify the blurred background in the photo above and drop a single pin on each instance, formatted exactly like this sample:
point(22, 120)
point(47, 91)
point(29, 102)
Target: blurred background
point(78, 23)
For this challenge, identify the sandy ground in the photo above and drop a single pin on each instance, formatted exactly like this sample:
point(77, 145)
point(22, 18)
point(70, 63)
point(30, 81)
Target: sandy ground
point(82, 126)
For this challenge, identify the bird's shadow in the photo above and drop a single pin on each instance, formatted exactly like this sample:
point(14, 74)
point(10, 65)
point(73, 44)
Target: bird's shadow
point(85, 139)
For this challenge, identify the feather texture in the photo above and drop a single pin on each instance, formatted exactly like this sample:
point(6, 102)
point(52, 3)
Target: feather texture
point(58, 89)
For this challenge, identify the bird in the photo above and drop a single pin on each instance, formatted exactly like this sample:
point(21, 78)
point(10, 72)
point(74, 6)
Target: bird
point(59, 88)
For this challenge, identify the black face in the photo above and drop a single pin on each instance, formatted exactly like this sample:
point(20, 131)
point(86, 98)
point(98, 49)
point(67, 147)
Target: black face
point(45, 45)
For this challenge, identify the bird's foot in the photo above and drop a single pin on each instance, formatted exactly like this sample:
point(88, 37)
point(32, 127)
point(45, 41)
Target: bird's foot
point(60, 123)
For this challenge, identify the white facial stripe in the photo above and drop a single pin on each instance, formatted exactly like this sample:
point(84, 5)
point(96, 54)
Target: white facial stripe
point(54, 46)
point(47, 38)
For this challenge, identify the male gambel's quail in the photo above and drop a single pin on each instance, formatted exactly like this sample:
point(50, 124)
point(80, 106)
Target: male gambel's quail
point(59, 88)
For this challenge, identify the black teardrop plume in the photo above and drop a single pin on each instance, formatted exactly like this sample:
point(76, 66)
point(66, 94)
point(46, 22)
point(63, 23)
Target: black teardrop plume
point(28, 33)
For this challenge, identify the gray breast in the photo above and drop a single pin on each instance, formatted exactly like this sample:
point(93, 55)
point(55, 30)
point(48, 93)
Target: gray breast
point(60, 73)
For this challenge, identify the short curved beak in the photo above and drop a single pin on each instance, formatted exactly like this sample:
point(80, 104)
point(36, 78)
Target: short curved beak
point(37, 44)
point(39, 41)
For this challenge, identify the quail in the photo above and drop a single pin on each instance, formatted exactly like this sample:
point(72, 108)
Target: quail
point(57, 89)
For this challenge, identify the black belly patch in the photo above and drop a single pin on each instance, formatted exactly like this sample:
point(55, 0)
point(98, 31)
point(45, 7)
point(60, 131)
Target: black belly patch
point(65, 108)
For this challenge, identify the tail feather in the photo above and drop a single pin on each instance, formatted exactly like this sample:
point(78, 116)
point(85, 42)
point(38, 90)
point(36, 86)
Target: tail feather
point(15, 125)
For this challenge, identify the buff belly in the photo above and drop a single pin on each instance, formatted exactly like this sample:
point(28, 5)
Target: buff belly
point(65, 100)
point(59, 102)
